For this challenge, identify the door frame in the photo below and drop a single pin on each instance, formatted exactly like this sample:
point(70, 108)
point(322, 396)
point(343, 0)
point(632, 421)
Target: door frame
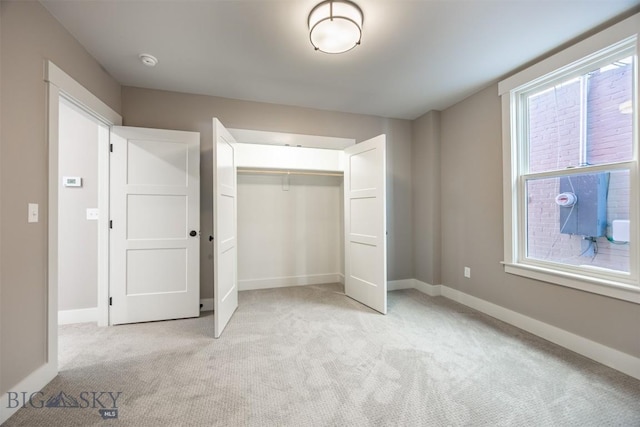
point(61, 85)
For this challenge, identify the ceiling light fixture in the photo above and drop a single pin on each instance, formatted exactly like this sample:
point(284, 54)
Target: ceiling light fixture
point(335, 26)
point(148, 60)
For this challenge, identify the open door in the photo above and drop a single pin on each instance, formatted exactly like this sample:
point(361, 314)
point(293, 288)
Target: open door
point(225, 253)
point(154, 263)
point(365, 223)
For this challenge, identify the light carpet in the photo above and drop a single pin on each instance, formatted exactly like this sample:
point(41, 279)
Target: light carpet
point(310, 356)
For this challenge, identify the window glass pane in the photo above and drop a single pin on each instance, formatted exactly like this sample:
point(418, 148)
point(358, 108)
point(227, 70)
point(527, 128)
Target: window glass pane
point(554, 127)
point(609, 113)
point(584, 120)
point(571, 220)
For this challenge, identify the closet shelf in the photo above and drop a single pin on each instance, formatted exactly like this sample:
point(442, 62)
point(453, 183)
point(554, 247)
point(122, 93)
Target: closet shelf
point(287, 172)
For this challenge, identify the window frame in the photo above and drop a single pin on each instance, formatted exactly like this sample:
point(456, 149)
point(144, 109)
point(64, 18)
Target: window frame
point(571, 62)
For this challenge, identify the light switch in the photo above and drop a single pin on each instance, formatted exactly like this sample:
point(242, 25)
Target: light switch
point(92, 214)
point(32, 215)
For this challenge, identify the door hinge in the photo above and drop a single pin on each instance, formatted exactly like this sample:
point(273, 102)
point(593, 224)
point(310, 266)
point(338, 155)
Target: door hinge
point(111, 148)
point(110, 300)
point(110, 223)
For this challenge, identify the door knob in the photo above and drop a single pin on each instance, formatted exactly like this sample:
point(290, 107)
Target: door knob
point(211, 238)
point(193, 233)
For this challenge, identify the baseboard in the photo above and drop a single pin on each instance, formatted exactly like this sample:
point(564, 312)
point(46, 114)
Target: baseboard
point(83, 315)
point(426, 288)
point(207, 304)
point(281, 282)
point(608, 356)
point(341, 278)
point(397, 285)
point(31, 384)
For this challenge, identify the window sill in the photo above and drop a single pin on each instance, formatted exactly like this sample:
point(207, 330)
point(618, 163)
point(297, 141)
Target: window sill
point(609, 288)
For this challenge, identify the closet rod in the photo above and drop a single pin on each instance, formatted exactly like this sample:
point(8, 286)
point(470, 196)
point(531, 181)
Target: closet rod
point(288, 172)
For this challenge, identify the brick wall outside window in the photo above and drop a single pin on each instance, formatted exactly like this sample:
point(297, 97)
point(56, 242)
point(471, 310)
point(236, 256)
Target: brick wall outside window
point(554, 132)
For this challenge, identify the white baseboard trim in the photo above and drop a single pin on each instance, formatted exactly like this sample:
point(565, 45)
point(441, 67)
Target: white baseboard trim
point(31, 384)
point(281, 282)
point(397, 285)
point(207, 304)
point(341, 278)
point(83, 315)
point(425, 288)
point(608, 356)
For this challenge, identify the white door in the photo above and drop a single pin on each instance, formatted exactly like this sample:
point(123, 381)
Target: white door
point(225, 253)
point(365, 223)
point(155, 223)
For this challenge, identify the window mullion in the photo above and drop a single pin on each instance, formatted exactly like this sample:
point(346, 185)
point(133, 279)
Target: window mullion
point(580, 171)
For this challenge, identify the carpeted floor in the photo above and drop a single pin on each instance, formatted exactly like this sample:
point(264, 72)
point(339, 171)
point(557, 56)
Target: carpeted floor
point(309, 356)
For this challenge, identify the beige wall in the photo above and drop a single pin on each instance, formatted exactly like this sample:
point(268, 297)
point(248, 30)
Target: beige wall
point(472, 234)
point(77, 236)
point(29, 35)
point(425, 153)
point(170, 110)
point(292, 231)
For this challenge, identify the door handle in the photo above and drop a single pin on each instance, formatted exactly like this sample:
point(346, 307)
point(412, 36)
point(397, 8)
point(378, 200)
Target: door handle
point(211, 238)
point(193, 233)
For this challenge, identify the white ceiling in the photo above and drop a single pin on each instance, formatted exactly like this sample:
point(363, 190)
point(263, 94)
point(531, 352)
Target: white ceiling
point(415, 55)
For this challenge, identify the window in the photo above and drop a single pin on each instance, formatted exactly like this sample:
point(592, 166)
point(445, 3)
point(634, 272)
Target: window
point(571, 166)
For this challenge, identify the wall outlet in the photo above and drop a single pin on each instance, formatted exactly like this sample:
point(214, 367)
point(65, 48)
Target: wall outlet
point(467, 272)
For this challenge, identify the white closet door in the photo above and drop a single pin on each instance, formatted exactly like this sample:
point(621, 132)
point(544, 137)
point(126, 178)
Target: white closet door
point(225, 255)
point(155, 214)
point(365, 223)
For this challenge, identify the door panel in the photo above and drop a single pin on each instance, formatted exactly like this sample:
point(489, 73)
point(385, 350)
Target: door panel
point(225, 284)
point(155, 203)
point(365, 223)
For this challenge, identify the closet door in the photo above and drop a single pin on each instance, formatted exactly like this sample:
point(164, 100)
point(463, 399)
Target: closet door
point(365, 223)
point(225, 255)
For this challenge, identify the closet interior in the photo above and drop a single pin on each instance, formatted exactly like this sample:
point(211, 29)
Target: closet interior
point(287, 213)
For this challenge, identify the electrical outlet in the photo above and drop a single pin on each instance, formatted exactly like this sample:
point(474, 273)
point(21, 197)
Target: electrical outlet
point(467, 272)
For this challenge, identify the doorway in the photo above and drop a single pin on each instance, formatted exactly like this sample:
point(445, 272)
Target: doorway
point(78, 185)
point(61, 86)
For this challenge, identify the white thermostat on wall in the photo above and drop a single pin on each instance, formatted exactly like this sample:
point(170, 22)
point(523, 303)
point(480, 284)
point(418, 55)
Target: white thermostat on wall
point(72, 181)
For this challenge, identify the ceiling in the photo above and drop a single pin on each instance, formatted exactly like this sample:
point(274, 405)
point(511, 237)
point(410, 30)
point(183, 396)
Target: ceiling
point(415, 56)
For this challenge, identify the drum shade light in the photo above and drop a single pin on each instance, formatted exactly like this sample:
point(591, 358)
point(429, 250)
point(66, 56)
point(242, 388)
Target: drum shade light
point(335, 26)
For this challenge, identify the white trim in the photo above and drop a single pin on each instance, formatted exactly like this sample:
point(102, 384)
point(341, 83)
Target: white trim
point(103, 225)
point(590, 284)
point(247, 136)
point(79, 94)
point(396, 285)
point(425, 288)
point(82, 315)
point(607, 356)
point(281, 282)
point(341, 278)
point(32, 383)
point(53, 104)
point(207, 304)
point(60, 84)
point(612, 35)
point(431, 290)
